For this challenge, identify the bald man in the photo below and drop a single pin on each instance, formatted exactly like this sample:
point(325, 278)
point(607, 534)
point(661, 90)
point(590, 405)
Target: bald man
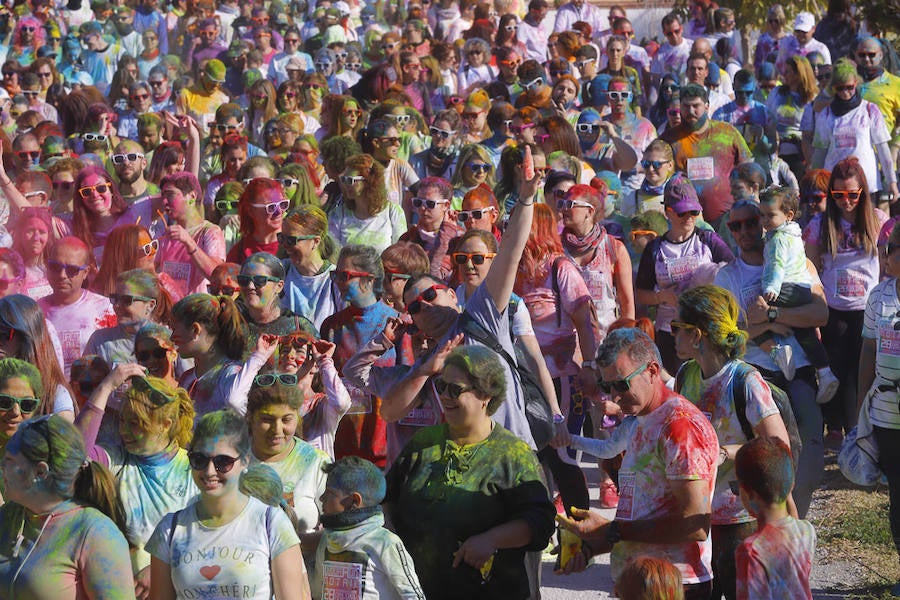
point(73, 310)
point(879, 87)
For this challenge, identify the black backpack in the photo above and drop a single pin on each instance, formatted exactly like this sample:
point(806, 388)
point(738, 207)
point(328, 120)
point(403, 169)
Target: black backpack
point(782, 401)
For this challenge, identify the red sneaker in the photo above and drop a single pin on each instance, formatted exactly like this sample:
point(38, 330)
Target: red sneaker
point(609, 496)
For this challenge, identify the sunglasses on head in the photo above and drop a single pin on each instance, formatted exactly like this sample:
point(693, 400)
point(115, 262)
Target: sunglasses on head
point(441, 133)
point(259, 281)
point(476, 258)
point(478, 213)
point(748, 223)
point(94, 137)
point(450, 390)
point(846, 194)
point(156, 397)
point(120, 159)
point(479, 167)
point(222, 463)
point(427, 203)
point(344, 275)
point(269, 379)
point(428, 295)
point(26, 405)
point(221, 290)
point(70, 270)
point(274, 208)
point(570, 204)
point(621, 386)
point(127, 299)
point(157, 353)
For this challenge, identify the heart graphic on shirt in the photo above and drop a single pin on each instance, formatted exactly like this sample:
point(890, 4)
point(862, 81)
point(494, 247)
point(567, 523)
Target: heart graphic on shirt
point(210, 572)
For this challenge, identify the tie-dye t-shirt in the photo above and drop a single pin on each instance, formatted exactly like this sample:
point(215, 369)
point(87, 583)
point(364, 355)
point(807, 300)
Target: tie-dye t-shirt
point(174, 260)
point(76, 553)
point(675, 442)
point(77, 321)
point(442, 494)
point(715, 399)
point(304, 481)
point(774, 563)
point(707, 158)
point(884, 92)
point(229, 561)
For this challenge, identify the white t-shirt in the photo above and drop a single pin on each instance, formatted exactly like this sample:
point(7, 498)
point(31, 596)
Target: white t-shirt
point(229, 561)
point(882, 309)
point(379, 231)
point(853, 134)
point(77, 321)
point(315, 297)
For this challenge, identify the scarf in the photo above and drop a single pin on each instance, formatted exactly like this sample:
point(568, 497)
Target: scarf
point(349, 518)
point(653, 190)
point(577, 246)
point(871, 73)
point(150, 54)
point(842, 107)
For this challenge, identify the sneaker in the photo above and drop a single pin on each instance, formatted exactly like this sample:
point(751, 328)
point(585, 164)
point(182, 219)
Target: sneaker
point(828, 385)
point(783, 356)
point(834, 440)
point(609, 495)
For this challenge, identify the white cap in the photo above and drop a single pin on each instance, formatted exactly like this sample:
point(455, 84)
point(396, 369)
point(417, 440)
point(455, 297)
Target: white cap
point(295, 64)
point(343, 7)
point(804, 22)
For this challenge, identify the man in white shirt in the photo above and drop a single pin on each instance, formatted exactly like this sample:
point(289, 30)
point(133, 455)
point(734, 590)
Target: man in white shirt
point(802, 42)
point(673, 53)
point(533, 32)
point(578, 10)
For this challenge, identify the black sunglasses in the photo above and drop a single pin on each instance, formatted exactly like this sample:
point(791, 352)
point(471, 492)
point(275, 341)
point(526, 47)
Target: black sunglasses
point(451, 390)
point(428, 295)
point(222, 463)
point(128, 299)
point(258, 280)
point(225, 290)
point(157, 353)
point(269, 379)
point(70, 270)
point(749, 223)
point(621, 386)
point(156, 397)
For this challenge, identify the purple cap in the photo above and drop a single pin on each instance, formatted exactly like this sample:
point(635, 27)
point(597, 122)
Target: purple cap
point(680, 195)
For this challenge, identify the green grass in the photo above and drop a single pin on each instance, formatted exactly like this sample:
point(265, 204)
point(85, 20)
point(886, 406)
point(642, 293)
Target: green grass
point(867, 524)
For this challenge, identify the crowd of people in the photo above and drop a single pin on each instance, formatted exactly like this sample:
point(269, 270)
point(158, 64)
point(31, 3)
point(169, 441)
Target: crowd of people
point(330, 300)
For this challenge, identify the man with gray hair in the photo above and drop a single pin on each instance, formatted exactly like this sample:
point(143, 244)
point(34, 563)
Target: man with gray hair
point(667, 477)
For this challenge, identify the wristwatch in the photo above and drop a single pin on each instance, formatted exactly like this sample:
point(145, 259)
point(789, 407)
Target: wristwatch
point(557, 419)
point(613, 535)
point(772, 313)
point(588, 364)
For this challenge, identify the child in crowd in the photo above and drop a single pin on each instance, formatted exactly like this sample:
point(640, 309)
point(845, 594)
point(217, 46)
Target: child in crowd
point(786, 282)
point(775, 561)
point(649, 578)
point(357, 554)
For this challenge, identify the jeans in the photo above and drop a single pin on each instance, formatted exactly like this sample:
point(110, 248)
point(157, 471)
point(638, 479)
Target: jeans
point(843, 341)
point(888, 441)
point(802, 392)
point(725, 540)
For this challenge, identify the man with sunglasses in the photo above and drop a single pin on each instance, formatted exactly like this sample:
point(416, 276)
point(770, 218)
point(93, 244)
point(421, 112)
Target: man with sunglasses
point(100, 57)
point(439, 159)
point(73, 310)
point(399, 176)
point(278, 68)
point(672, 54)
point(879, 86)
point(434, 230)
point(129, 163)
point(190, 247)
point(534, 32)
point(205, 45)
point(202, 99)
point(665, 487)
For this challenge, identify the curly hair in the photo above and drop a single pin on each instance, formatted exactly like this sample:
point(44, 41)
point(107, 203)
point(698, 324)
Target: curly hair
point(150, 415)
point(375, 189)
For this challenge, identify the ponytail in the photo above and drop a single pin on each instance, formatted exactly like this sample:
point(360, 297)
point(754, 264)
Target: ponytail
point(95, 486)
point(263, 483)
point(221, 318)
point(232, 333)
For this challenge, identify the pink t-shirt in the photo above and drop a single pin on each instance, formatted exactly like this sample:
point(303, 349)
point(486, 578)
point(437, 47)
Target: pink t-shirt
point(173, 259)
point(774, 563)
point(675, 442)
point(77, 321)
point(556, 337)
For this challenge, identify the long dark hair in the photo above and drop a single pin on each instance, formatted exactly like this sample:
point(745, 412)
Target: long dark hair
point(865, 229)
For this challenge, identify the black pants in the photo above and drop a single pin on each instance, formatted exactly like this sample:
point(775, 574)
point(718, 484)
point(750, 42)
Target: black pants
point(791, 296)
point(843, 341)
point(725, 541)
point(569, 479)
point(888, 441)
point(698, 591)
point(665, 341)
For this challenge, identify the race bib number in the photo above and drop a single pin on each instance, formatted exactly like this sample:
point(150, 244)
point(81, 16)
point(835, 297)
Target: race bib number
point(342, 581)
point(749, 294)
point(626, 495)
point(889, 341)
point(682, 268)
point(360, 401)
point(701, 168)
point(850, 284)
point(844, 138)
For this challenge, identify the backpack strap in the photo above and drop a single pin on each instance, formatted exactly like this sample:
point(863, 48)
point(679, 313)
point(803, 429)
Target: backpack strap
point(172, 529)
point(554, 282)
point(474, 329)
point(739, 396)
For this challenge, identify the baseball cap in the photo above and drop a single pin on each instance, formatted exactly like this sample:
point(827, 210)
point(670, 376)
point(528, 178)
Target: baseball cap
point(215, 70)
point(680, 195)
point(804, 22)
point(295, 64)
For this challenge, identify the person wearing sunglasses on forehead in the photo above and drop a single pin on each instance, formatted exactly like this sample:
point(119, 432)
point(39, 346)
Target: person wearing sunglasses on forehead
point(439, 159)
point(219, 451)
point(366, 216)
point(709, 338)
point(685, 256)
point(75, 311)
point(359, 276)
point(190, 247)
point(851, 126)
point(508, 518)
point(152, 476)
point(434, 230)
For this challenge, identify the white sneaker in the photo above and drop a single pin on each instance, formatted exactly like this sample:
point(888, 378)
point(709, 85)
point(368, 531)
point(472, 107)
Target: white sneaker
point(828, 385)
point(783, 355)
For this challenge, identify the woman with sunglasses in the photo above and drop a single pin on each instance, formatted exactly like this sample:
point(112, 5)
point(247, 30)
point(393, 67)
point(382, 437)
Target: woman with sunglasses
point(345, 119)
point(475, 167)
point(146, 453)
point(842, 243)
point(308, 288)
point(261, 282)
point(233, 156)
point(366, 215)
point(683, 257)
point(467, 497)
point(276, 422)
point(474, 70)
point(767, 44)
point(261, 110)
point(61, 529)
point(21, 390)
point(261, 210)
point(853, 127)
point(707, 336)
point(128, 247)
point(280, 135)
point(435, 230)
point(155, 352)
point(99, 207)
point(223, 515)
point(508, 35)
point(314, 88)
